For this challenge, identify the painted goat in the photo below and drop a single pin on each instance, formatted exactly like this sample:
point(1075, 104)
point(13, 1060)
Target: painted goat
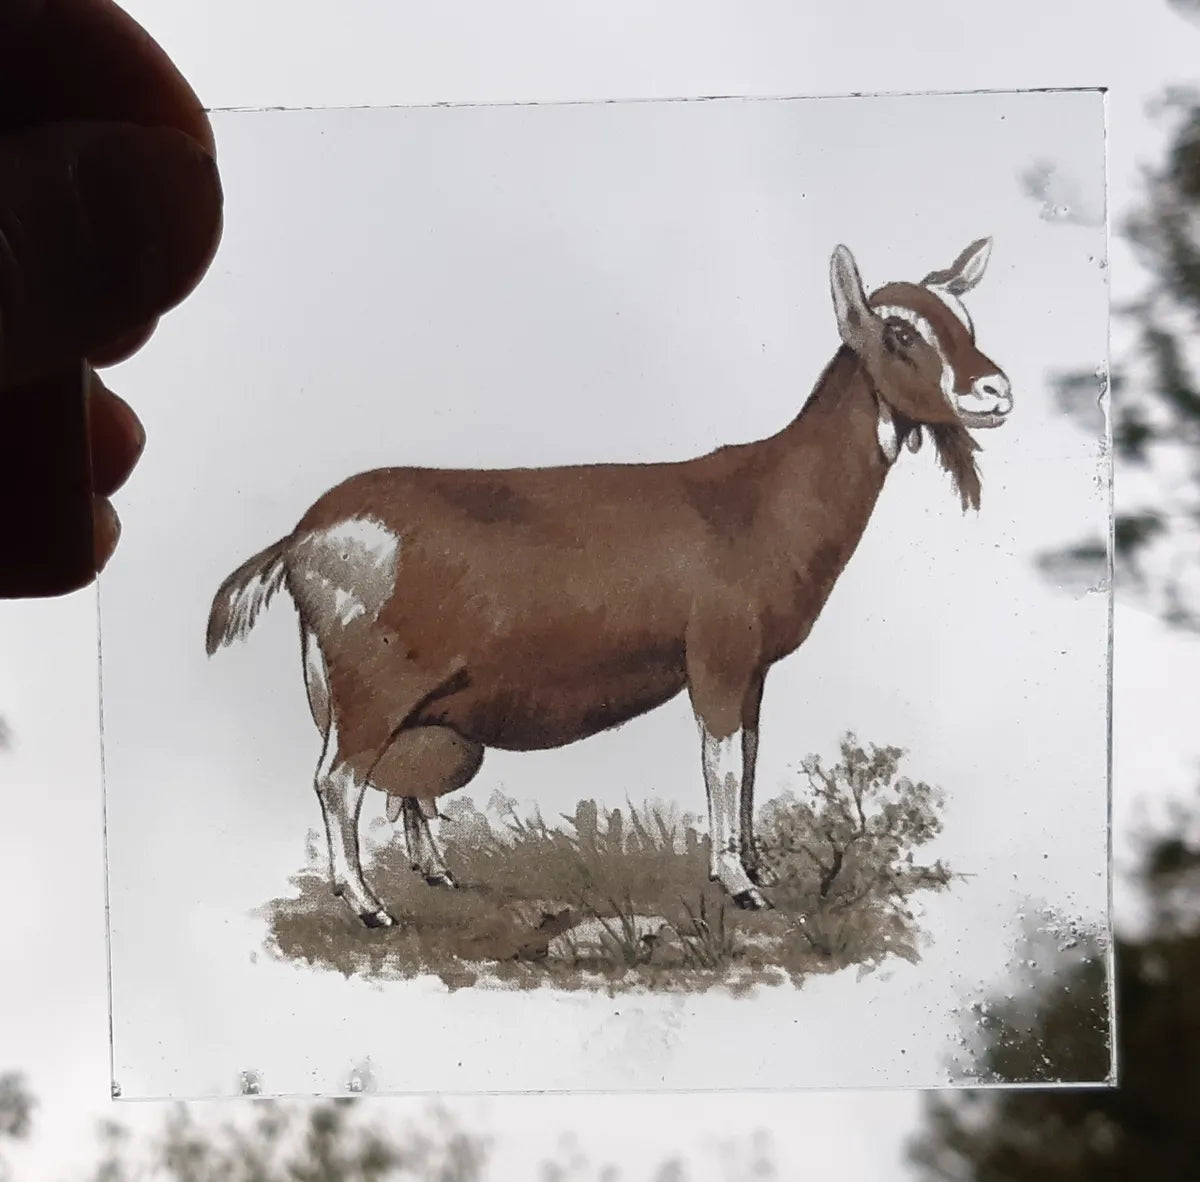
point(443, 612)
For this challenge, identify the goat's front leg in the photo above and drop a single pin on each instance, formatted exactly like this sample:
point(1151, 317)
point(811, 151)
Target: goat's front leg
point(724, 765)
point(722, 667)
point(757, 873)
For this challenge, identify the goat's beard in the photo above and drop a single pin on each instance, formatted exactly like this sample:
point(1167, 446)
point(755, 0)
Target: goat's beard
point(956, 454)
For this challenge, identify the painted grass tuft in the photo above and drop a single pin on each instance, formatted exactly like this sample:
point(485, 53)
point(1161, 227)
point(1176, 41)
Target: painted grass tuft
point(618, 899)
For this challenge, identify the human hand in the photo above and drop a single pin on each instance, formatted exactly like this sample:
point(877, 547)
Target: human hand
point(110, 213)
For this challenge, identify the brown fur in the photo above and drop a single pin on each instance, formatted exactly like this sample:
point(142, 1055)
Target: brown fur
point(956, 453)
point(531, 608)
point(619, 585)
point(611, 588)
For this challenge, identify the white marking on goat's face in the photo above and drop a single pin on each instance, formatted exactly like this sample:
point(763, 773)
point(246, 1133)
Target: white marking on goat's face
point(348, 570)
point(980, 400)
point(989, 397)
point(957, 307)
point(928, 335)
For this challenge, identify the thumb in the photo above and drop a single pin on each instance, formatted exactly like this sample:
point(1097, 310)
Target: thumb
point(103, 227)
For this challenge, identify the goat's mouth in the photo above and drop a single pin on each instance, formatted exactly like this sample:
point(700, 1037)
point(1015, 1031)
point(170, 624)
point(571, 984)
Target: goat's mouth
point(986, 407)
point(982, 419)
point(988, 403)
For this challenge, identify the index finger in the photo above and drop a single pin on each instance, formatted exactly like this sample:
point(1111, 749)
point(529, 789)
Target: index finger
point(63, 60)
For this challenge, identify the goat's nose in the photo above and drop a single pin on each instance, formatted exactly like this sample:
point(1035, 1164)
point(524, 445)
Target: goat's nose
point(996, 386)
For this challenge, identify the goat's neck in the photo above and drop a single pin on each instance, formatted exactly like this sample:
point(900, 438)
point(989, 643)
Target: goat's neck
point(821, 477)
point(828, 460)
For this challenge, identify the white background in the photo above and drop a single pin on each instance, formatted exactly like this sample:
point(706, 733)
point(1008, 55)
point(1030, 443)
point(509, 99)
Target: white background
point(392, 53)
point(532, 285)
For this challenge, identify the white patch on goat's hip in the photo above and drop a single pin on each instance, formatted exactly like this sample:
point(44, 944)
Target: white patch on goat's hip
point(348, 569)
point(363, 538)
point(347, 605)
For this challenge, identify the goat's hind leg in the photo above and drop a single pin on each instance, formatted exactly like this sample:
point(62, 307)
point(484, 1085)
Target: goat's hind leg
point(432, 760)
point(423, 851)
point(340, 792)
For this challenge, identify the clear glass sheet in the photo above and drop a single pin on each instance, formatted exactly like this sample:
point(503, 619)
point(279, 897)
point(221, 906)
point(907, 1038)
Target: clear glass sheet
point(508, 287)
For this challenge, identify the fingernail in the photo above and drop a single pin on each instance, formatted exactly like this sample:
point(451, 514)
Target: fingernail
point(153, 197)
point(107, 531)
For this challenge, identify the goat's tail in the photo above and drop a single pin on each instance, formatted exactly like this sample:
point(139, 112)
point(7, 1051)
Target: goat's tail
point(244, 594)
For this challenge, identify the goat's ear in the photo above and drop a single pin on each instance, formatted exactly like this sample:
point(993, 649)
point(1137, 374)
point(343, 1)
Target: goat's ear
point(857, 324)
point(965, 272)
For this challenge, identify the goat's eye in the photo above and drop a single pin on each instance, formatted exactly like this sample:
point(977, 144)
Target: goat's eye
point(902, 334)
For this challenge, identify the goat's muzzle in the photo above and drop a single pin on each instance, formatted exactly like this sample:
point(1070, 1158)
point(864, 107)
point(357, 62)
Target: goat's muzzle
point(988, 403)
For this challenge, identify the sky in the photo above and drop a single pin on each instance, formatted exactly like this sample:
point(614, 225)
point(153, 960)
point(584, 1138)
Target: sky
point(402, 54)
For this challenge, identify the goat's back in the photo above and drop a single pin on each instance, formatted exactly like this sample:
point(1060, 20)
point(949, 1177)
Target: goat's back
point(538, 605)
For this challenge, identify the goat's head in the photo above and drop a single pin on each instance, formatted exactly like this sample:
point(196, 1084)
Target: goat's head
point(916, 343)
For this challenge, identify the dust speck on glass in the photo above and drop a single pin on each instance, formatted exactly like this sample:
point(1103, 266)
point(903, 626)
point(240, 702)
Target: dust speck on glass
point(580, 625)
